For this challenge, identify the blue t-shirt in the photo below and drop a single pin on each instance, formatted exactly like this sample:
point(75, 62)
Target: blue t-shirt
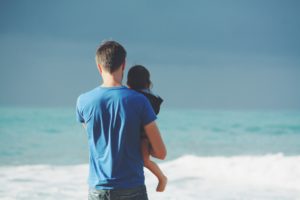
point(113, 117)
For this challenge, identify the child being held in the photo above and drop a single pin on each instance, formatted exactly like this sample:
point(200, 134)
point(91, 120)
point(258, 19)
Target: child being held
point(138, 79)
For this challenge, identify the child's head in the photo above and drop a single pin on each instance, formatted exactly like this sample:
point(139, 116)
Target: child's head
point(138, 77)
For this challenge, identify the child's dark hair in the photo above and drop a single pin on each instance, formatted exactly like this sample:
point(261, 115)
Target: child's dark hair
point(138, 77)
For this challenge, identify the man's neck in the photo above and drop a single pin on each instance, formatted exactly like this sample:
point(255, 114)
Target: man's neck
point(113, 84)
point(110, 80)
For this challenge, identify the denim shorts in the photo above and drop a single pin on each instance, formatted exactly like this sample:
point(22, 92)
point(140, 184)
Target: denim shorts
point(138, 193)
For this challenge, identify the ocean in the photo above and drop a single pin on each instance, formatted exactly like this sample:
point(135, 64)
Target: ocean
point(212, 155)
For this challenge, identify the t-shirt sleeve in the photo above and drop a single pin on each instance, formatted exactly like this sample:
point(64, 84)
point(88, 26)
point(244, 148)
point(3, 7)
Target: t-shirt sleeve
point(79, 116)
point(148, 114)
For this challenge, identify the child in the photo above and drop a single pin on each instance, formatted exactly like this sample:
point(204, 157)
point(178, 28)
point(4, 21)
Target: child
point(138, 78)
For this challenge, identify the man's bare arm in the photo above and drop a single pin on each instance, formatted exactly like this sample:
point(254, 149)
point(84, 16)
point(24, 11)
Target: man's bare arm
point(158, 147)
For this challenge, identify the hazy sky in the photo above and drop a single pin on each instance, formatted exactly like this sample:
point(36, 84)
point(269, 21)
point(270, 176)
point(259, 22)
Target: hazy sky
point(204, 54)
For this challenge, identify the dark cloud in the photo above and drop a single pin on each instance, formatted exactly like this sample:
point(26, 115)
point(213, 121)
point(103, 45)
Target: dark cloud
point(207, 54)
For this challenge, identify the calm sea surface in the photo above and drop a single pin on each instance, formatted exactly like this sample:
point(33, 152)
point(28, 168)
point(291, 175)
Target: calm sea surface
point(52, 136)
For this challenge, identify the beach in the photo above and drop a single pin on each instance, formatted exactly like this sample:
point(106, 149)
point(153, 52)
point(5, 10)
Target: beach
point(190, 177)
point(213, 155)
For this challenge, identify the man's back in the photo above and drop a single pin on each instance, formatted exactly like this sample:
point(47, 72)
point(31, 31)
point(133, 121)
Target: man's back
point(113, 117)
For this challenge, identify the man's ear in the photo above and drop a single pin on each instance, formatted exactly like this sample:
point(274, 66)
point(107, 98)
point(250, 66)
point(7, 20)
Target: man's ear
point(123, 65)
point(99, 68)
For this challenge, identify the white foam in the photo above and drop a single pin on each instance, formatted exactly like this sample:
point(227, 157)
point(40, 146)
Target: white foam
point(190, 177)
point(240, 177)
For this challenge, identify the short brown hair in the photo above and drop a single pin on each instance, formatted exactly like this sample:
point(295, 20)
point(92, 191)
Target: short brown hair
point(110, 55)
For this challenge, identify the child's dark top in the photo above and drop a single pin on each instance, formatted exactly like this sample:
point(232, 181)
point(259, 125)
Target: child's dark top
point(155, 101)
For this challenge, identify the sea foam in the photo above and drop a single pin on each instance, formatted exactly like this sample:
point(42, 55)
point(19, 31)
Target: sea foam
point(190, 177)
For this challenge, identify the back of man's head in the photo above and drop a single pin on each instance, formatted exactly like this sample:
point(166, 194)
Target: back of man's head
point(110, 56)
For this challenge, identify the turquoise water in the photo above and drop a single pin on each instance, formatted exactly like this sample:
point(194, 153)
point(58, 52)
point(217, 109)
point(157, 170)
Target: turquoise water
point(52, 136)
point(41, 136)
point(211, 155)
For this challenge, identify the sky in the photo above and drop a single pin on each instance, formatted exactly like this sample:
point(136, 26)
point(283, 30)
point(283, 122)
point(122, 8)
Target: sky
point(211, 54)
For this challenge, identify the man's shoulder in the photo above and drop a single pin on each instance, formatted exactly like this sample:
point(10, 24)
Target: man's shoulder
point(136, 95)
point(154, 100)
point(132, 97)
point(88, 93)
point(87, 97)
point(99, 92)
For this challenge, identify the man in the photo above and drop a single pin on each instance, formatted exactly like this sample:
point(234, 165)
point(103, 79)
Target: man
point(112, 115)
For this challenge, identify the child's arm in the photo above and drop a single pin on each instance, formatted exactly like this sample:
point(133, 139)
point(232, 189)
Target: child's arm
point(158, 149)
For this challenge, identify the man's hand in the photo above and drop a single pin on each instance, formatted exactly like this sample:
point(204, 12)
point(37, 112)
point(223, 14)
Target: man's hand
point(158, 149)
